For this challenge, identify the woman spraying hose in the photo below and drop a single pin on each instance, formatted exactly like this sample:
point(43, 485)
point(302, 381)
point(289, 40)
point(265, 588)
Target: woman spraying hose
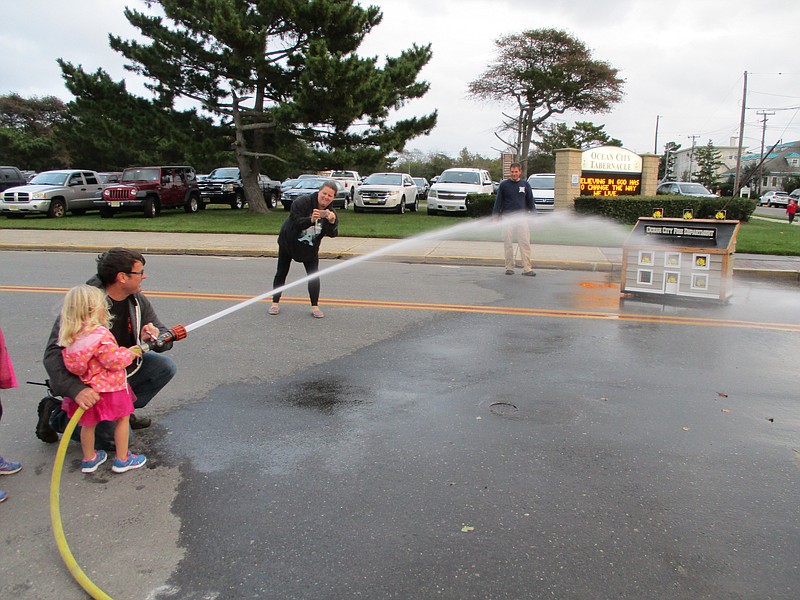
point(310, 220)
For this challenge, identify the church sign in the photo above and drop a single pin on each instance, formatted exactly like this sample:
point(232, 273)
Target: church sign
point(610, 171)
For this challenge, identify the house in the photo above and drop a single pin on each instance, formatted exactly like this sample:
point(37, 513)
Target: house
point(685, 164)
point(781, 164)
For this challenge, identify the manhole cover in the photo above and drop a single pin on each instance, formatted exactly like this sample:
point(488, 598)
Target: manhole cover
point(503, 409)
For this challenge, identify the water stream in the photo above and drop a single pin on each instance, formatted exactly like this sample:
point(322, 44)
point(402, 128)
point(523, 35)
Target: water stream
point(486, 228)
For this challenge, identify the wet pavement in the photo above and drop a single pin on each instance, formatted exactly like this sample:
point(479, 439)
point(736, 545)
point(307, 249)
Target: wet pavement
point(446, 431)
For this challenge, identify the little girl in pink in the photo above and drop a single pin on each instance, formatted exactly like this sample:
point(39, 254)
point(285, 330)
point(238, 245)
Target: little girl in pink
point(91, 352)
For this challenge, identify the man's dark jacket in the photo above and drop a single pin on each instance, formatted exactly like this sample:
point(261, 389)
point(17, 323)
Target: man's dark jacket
point(64, 383)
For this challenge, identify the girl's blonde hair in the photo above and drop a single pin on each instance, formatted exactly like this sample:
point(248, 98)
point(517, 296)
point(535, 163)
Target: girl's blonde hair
point(85, 306)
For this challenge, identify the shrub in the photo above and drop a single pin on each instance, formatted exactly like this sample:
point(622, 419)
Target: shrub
point(627, 209)
point(479, 205)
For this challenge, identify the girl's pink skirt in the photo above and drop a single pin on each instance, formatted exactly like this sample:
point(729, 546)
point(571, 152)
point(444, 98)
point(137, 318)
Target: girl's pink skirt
point(110, 407)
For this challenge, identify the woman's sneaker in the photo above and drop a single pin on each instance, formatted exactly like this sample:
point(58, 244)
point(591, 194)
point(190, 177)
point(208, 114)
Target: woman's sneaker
point(134, 461)
point(90, 466)
point(8, 467)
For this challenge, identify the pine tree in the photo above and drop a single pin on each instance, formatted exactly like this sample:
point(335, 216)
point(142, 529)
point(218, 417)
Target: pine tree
point(541, 73)
point(285, 75)
point(708, 164)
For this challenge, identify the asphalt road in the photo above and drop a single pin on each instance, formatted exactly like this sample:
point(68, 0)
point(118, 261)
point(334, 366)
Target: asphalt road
point(444, 432)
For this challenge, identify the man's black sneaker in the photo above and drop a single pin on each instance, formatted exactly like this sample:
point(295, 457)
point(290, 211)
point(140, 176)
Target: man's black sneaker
point(509, 271)
point(140, 422)
point(529, 273)
point(43, 430)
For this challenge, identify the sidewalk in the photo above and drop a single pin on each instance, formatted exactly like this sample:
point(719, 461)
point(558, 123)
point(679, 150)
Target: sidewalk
point(476, 253)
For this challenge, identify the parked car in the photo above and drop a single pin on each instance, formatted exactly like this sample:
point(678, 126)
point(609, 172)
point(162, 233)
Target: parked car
point(151, 189)
point(11, 177)
point(392, 191)
point(350, 179)
point(449, 193)
point(109, 177)
point(309, 186)
point(774, 198)
point(543, 186)
point(287, 184)
point(53, 193)
point(224, 186)
point(422, 187)
point(684, 188)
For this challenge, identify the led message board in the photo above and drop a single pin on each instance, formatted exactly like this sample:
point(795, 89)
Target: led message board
point(610, 171)
point(610, 184)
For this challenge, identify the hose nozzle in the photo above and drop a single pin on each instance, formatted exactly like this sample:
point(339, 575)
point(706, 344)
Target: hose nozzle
point(173, 335)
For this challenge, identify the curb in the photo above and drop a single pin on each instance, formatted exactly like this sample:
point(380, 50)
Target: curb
point(784, 275)
point(789, 276)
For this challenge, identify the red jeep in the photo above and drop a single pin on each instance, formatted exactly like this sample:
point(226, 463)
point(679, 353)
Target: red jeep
point(150, 189)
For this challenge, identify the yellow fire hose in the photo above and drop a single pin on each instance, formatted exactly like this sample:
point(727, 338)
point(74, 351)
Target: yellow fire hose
point(55, 514)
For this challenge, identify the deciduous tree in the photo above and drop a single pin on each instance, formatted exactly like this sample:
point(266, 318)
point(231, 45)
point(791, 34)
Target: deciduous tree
point(27, 132)
point(541, 73)
point(285, 74)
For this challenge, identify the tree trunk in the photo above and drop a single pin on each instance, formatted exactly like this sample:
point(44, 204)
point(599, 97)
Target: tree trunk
point(252, 188)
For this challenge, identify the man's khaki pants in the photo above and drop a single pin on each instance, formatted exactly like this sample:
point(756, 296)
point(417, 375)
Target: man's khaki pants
point(522, 231)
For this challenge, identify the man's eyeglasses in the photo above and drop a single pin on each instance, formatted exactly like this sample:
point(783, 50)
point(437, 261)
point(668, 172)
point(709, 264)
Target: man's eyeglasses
point(135, 272)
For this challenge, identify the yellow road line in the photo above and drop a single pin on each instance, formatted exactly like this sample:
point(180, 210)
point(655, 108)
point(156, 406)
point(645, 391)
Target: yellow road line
point(462, 308)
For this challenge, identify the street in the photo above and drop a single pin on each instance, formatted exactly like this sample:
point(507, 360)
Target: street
point(445, 431)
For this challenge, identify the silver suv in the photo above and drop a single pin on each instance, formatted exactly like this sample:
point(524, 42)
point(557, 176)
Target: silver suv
point(53, 193)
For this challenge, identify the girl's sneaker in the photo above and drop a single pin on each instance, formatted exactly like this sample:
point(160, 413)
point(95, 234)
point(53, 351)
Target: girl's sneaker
point(3, 496)
point(134, 461)
point(8, 467)
point(90, 466)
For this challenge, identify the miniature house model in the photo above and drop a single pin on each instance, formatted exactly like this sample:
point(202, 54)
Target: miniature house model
point(680, 257)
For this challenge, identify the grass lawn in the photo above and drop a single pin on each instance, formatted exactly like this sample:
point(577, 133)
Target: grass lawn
point(756, 237)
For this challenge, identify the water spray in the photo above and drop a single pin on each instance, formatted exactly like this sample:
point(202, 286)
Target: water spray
point(472, 225)
point(179, 332)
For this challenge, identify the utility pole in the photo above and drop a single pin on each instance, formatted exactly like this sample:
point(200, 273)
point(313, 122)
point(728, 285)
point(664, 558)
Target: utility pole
point(655, 142)
point(691, 155)
point(741, 137)
point(761, 164)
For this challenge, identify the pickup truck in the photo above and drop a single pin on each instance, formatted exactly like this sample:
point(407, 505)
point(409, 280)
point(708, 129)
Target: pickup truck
point(53, 193)
point(224, 186)
point(349, 179)
point(11, 177)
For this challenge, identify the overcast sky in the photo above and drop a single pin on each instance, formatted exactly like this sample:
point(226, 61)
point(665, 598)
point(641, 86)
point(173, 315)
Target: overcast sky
point(681, 59)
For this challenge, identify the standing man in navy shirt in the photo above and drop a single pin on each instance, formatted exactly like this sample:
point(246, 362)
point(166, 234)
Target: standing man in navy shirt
point(514, 199)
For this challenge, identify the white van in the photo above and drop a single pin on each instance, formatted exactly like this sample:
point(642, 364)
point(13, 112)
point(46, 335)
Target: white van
point(543, 186)
point(450, 191)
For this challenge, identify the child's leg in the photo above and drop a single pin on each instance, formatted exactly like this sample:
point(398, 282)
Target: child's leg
point(121, 434)
point(87, 442)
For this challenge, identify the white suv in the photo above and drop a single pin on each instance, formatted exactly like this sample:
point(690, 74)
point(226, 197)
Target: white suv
point(393, 191)
point(450, 191)
point(543, 186)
